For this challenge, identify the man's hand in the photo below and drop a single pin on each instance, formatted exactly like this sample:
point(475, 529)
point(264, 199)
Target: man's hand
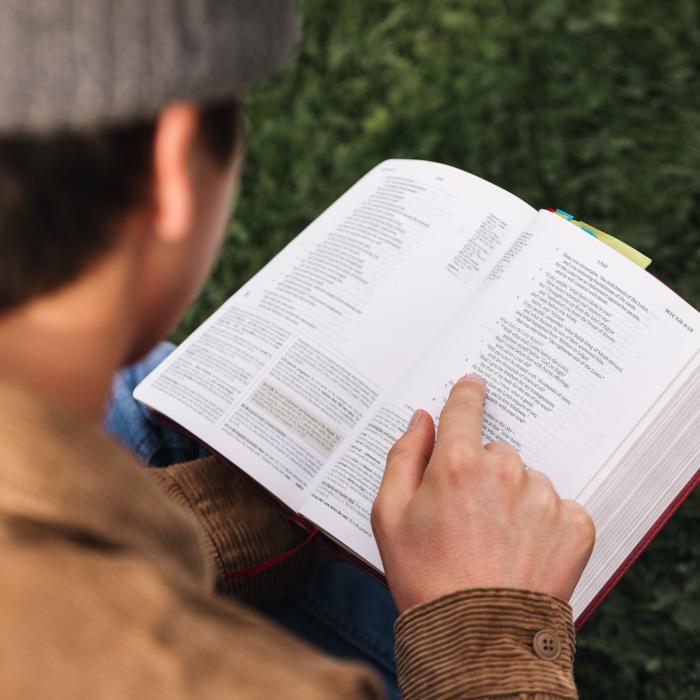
point(456, 515)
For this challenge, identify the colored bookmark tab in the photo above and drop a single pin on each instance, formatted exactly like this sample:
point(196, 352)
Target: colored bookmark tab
point(615, 243)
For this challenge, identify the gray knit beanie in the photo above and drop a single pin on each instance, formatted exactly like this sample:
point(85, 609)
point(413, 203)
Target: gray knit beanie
point(79, 64)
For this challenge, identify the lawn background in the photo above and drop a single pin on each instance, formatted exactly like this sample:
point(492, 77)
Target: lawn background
point(590, 107)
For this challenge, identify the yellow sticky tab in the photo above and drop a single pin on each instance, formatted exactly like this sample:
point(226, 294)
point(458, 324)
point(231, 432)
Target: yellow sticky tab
point(616, 244)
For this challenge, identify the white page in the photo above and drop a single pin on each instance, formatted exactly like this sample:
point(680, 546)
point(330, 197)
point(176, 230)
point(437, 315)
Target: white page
point(283, 373)
point(565, 416)
point(655, 462)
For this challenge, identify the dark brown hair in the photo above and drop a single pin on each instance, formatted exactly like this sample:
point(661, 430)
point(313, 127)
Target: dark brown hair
point(61, 197)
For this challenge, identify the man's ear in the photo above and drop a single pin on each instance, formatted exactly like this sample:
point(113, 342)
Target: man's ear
point(172, 184)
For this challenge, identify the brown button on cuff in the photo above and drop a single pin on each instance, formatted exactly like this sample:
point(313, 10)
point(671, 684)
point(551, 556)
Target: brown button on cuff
point(546, 645)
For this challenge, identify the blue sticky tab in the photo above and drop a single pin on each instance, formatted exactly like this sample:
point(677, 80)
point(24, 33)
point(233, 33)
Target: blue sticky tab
point(565, 214)
point(588, 231)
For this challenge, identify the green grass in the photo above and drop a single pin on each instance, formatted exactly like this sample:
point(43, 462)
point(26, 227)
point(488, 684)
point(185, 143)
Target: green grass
point(591, 107)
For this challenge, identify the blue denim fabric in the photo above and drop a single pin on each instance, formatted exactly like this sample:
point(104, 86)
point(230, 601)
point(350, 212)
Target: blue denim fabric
point(343, 612)
point(129, 422)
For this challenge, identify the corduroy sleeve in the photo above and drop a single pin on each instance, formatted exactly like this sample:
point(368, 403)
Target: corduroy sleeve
point(244, 528)
point(487, 643)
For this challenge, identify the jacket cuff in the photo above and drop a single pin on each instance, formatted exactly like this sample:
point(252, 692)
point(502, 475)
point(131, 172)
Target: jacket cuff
point(244, 528)
point(487, 642)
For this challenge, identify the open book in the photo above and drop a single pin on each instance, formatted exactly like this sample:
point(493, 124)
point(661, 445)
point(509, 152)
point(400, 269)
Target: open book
point(417, 275)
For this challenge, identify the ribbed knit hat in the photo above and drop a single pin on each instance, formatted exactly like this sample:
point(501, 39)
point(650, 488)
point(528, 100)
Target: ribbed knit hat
point(78, 64)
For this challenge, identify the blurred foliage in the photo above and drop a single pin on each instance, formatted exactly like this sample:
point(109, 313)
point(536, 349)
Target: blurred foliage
point(591, 107)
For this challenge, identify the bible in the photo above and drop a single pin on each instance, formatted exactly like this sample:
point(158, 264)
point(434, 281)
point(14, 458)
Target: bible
point(419, 274)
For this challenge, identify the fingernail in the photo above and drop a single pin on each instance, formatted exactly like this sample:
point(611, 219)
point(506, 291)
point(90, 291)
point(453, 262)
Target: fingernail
point(473, 378)
point(415, 419)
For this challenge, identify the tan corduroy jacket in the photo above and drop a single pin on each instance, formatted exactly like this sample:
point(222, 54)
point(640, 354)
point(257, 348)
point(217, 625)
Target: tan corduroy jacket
point(108, 588)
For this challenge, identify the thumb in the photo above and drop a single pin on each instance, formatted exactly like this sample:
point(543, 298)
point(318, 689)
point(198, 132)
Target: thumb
point(407, 460)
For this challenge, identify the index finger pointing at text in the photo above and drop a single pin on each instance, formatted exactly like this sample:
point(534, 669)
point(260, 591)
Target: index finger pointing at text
point(462, 416)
